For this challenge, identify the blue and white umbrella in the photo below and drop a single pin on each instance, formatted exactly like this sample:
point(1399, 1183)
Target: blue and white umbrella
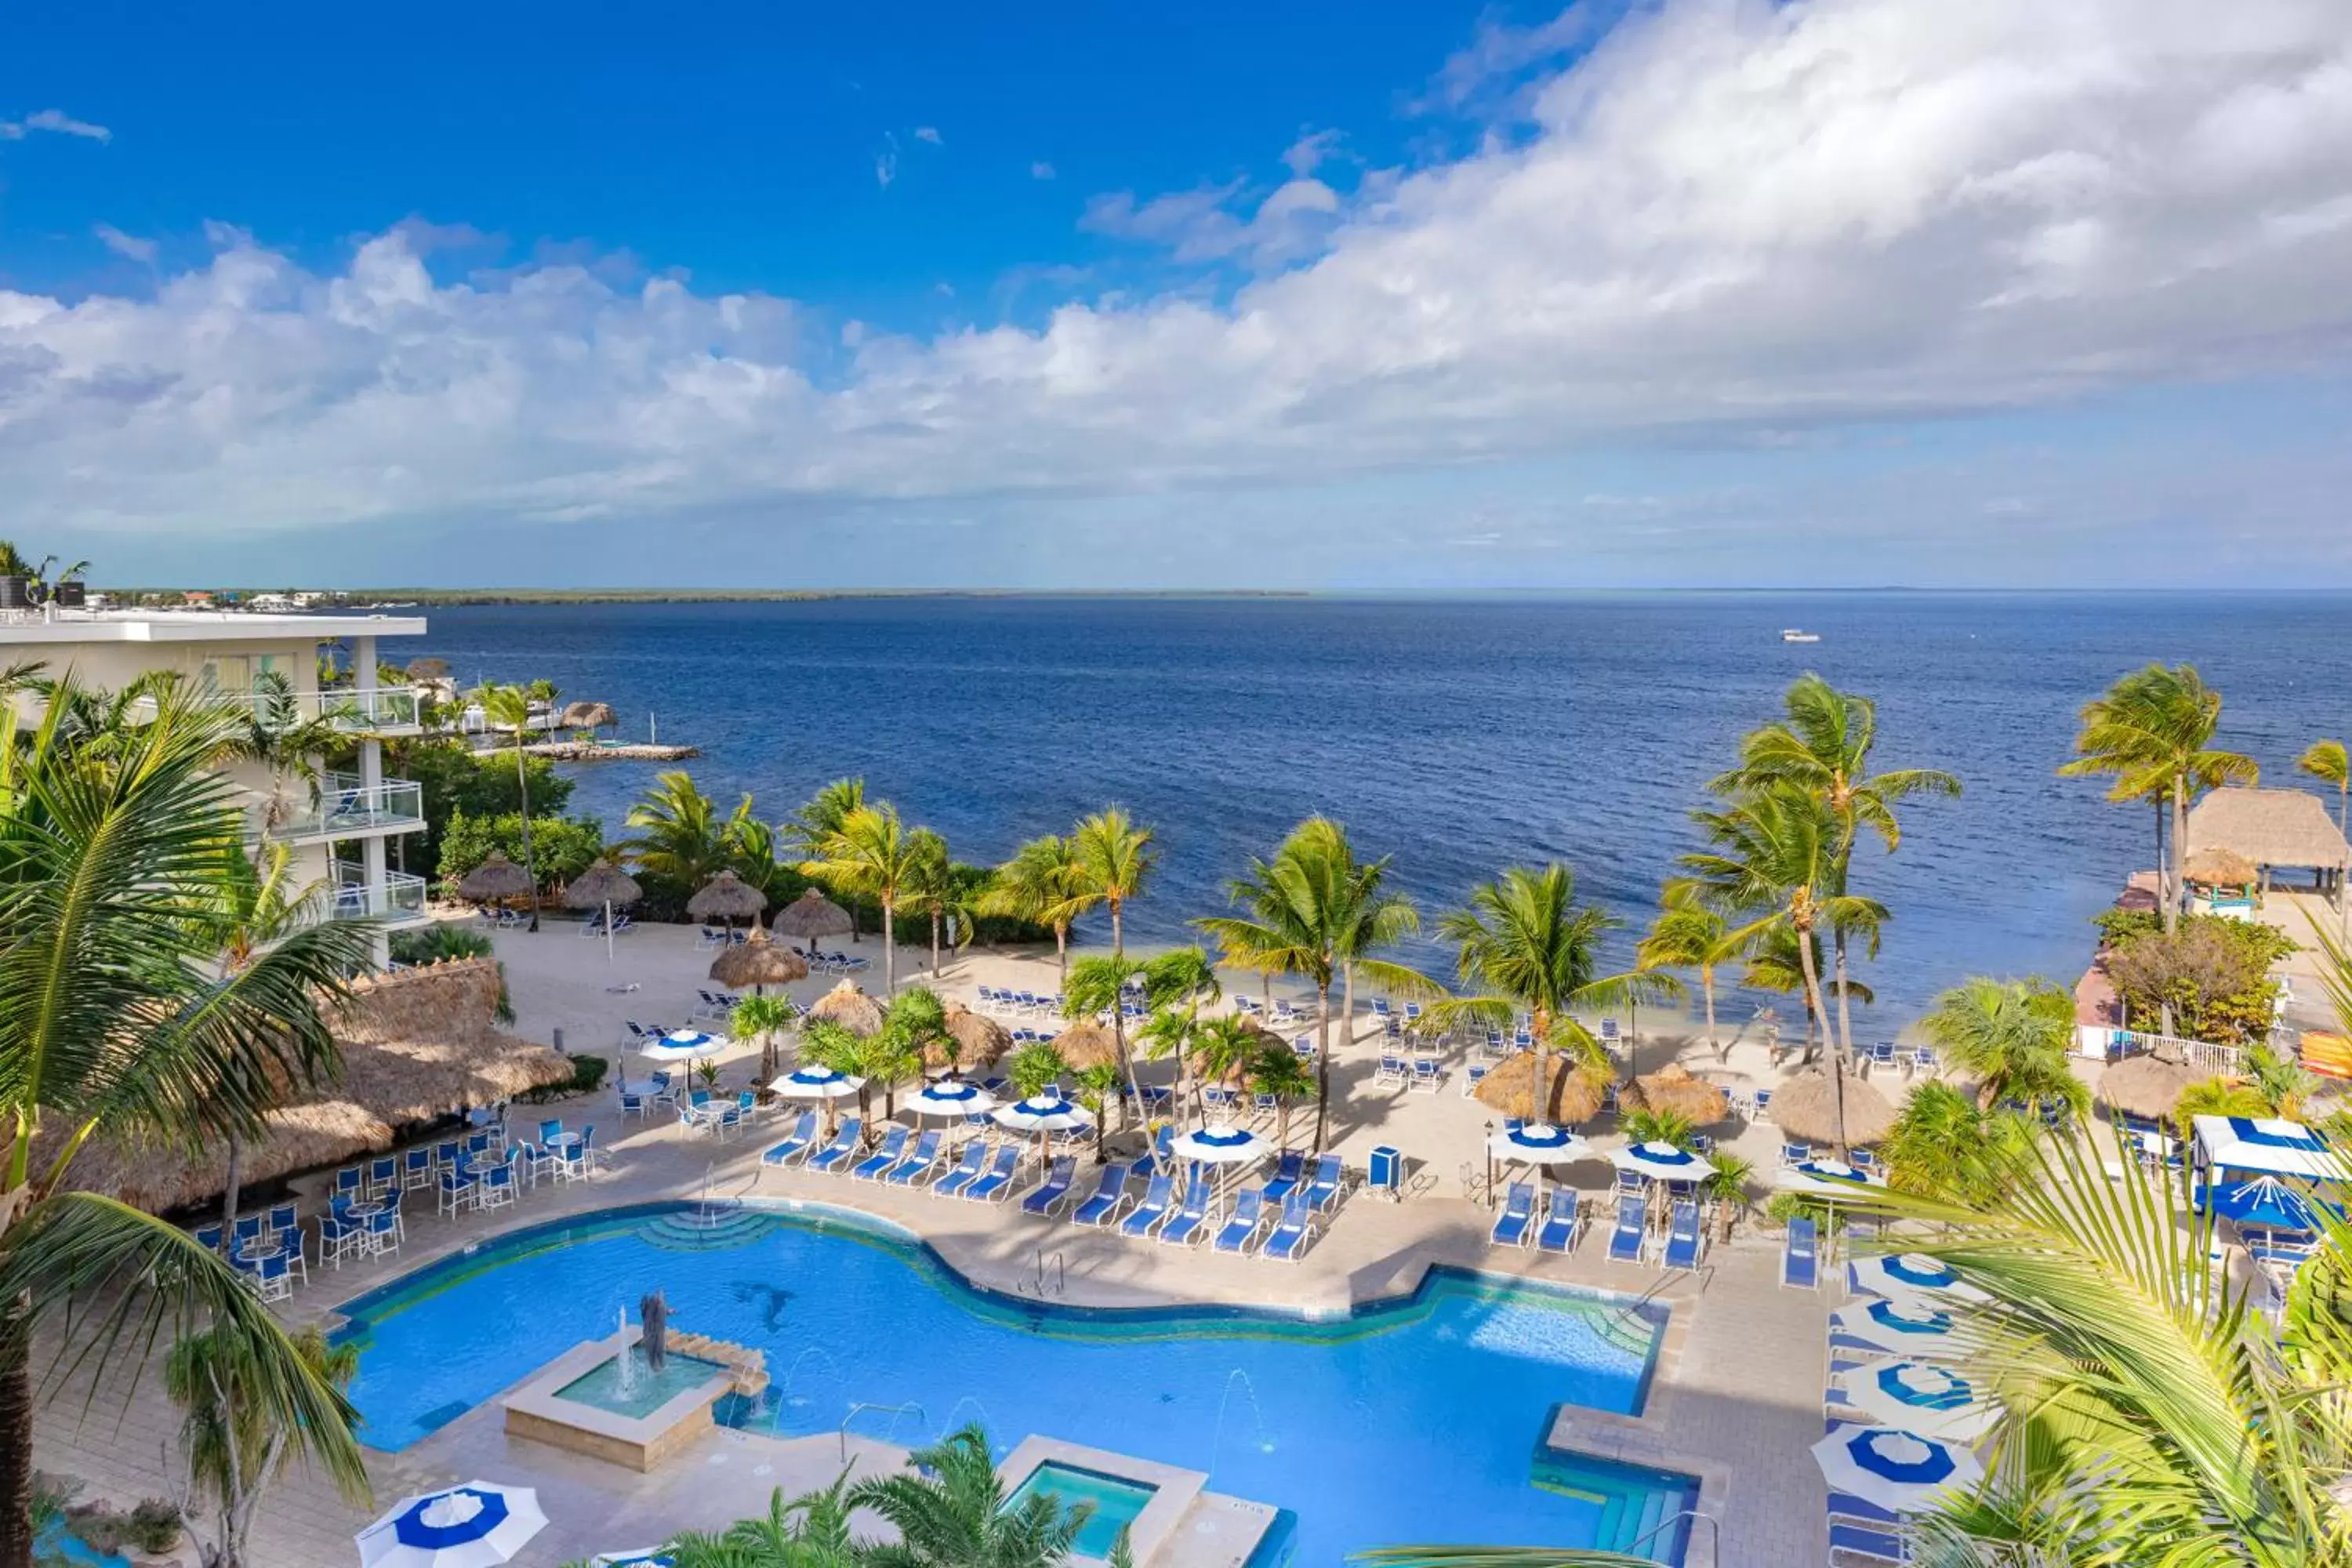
point(648, 1558)
point(1932, 1401)
point(1904, 1324)
point(1043, 1113)
point(1661, 1161)
point(684, 1046)
point(472, 1526)
point(1539, 1143)
point(1908, 1274)
point(816, 1083)
point(1897, 1471)
point(1217, 1144)
point(1827, 1179)
point(951, 1097)
point(2264, 1203)
point(2267, 1146)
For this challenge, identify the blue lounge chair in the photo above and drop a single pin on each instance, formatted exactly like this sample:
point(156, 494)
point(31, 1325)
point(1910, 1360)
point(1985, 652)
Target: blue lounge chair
point(996, 1185)
point(1329, 1180)
point(875, 1166)
point(1393, 1070)
point(1049, 1195)
point(1287, 1171)
point(967, 1170)
point(918, 1163)
point(837, 1154)
point(1630, 1237)
point(796, 1144)
point(1191, 1219)
point(1292, 1231)
point(1800, 1257)
point(1684, 1243)
point(1428, 1073)
point(1863, 1529)
point(1563, 1221)
point(1249, 1212)
point(1515, 1223)
point(1159, 1154)
point(1110, 1197)
point(1145, 1216)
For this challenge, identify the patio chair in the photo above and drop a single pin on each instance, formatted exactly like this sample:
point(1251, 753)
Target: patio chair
point(1685, 1243)
point(1515, 1226)
point(341, 1236)
point(416, 1167)
point(498, 1188)
point(457, 1190)
point(1293, 1229)
point(1330, 1177)
point(1563, 1223)
point(1109, 1196)
point(997, 1184)
point(1393, 1070)
point(837, 1154)
point(1145, 1216)
point(246, 1230)
point(1054, 1189)
point(1472, 1076)
point(1158, 1155)
point(1428, 1074)
point(918, 1163)
point(1800, 1259)
point(1795, 1155)
point(877, 1164)
point(284, 1219)
point(950, 1182)
point(1287, 1172)
point(1629, 1240)
point(1241, 1229)
point(1190, 1220)
point(796, 1143)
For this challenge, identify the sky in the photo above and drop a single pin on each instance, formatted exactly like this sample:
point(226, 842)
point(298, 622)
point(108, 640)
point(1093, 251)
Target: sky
point(1374, 296)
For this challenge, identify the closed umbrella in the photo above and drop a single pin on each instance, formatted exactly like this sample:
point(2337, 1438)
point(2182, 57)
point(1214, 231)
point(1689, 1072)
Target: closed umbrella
point(602, 884)
point(1916, 1397)
point(473, 1526)
point(1894, 1470)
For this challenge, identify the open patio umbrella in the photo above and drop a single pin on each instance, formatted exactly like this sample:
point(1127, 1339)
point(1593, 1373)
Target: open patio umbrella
point(1540, 1145)
point(757, 963)
point(727, 896)
point(1225, 1147)
point(684, 1046)
point(2148, 1087)
point(820, 1084)
point(1672, 1091)
point(1828, 1179)
point(810, 915)
point(1906, 1325)
point(2264, 1203)
point(1909, 1274)
point(1570, 1094)
point(603, 885)
point(951, 1097)
point(1805, 1107)
point(1043, 1114)
point(1660, 1161)
point(979, 1043)
point(472, 1526)
point(1894, 1470)
point(648, 1557)
point(1918, 1396)
point(495, 878)
point(2266, 1146)
point(850, 1007)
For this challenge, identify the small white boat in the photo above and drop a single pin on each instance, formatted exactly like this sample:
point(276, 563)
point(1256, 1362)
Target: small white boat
point(1793, 635)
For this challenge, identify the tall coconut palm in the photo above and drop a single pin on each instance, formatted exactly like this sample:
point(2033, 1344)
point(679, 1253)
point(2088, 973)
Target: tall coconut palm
point(1523, 942)
point(276, 733)
point(1823, 750)
point(950, 1509)
point(2327, 761)
point(1689, 934)
point(1217, 1049)
point(1774, 858)
point(762, 1018)
point(1773, 963)
point(1045, 883)
point(2011, 1037)
point(231, 1439)
point(508, 708)
point(937, 892)
point(1100, 985)
point(1116, 858)
point(117, 1019)
point(680, 836)
point(822, 817)
point(872, 853)
point(1275, 1068)
point(2152, 733)
point(1313, 909)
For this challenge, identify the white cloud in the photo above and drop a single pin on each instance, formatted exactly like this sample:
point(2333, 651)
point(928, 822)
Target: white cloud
point(53, 120)
point(1041, 170)
point(126, 244)
point(1731, 221)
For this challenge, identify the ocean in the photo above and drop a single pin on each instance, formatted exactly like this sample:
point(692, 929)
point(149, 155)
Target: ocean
point(1457, 736)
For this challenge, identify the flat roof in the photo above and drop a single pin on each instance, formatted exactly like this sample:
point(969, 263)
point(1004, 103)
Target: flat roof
point(64, 628)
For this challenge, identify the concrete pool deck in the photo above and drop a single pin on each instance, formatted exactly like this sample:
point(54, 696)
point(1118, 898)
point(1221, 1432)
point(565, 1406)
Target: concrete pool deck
point(1735, 1400)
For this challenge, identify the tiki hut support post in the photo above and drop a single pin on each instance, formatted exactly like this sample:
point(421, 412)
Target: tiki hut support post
point(604, 884)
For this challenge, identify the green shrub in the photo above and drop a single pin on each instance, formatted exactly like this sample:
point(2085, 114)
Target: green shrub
point(561, 847)
point(587, 1078)
point(1786, 1206)
point(2214, 972)
point(429, 944)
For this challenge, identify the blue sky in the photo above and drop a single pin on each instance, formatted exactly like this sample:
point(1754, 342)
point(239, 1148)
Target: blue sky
point(1371, 296)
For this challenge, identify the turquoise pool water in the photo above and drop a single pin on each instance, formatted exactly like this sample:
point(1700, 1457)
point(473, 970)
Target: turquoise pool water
point(1414, 1420)
point(1113, 1503)
point(648, 1390)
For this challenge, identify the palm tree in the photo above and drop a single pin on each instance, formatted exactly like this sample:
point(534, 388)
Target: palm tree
point(1316, 912)
point(950, 1509)
point(1219, 1049)
point(2152, 731)
point(762, 1018)
point(1185, 983)
point(230, 1437)
point(117, 1017)
point(2327, 761)
point(1275, 1068)
point(872, 854)
point(866, 1056)
point(1115, 859)
point(1773, 963)
point(288, 744)
point(1945, 1144)
point(1525, 944)
point(934, 889)
point(1045, 883)
point(680, 836)
point(1688, 934)
point(1097, 1087)
point(1823, 750)
point(819, 820)
point(1034, 1067)
point(509, 708)
point(2011, 1037)
point(811, 1531)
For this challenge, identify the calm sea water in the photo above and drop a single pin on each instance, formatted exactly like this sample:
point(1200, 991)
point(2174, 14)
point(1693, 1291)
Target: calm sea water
point(1458, 737)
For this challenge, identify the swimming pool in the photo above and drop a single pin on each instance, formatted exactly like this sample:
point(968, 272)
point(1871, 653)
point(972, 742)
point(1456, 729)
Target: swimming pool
point(1112, 1504)
point(1414, 1420)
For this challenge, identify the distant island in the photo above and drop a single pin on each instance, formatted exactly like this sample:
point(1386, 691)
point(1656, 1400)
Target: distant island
point(405, 598)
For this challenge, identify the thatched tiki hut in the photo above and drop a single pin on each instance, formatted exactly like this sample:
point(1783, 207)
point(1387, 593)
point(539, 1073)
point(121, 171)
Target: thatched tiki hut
point(727, 896)
point(2146, 1087)
point(588, 716)
point(850, 1007)
point(1672, 1091)
point(1571, 1092)
point(1806, 1108)
point(980, 1043)
point(757, 963)
point(602, 885)
point(1087, 1044)
point(810, 915)
point(2272, 829)
point(496, 880)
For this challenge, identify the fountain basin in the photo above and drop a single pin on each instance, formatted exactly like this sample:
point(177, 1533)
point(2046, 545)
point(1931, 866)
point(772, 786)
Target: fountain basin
point(577, 1403)
point(646, 1390)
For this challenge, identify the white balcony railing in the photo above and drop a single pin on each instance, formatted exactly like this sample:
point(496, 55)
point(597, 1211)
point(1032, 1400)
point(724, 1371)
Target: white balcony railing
point(397, 898)
point(344, 808)
point(384, 710)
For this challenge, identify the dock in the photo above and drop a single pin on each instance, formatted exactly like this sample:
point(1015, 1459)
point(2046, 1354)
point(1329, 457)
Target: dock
point(610, 751)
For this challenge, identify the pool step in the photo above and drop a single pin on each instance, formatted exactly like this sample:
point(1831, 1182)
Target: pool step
point(1633, 1506)
point(682, 1233)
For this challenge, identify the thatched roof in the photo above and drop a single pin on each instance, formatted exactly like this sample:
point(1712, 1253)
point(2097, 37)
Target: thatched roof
point(1087, 1044)
point(495, 878)
point(1805, 1107)
point(2219, 867)
point(2147, 1086)
point(850, 1007)
point(2268, 826)
point(756, 960)
point(418, 1043)
point(1572, 1096)
point(1672, 1090)
point(812, 915)
point(603, 883)
point(726, 897)
point(588, 716)
point(979, 1042)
